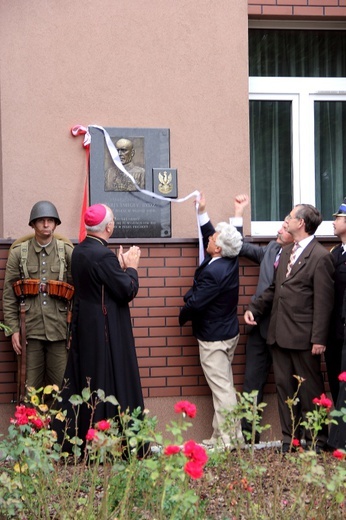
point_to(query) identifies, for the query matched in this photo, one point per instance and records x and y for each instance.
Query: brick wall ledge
(335, 18)
(9, 241)
(115, 241)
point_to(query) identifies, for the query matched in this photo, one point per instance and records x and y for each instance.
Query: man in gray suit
(258, 356)
(301, 301)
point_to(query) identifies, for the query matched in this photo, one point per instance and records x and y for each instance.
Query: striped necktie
(292, 259)
(277, 259)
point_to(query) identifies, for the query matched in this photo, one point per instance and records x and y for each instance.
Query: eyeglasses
(289, 217)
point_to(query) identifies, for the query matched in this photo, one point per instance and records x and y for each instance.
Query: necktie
(277, 259)
(292, 259)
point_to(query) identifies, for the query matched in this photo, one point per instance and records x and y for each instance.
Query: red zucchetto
(94, 215)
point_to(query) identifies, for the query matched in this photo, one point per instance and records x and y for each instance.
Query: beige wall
(180, 64)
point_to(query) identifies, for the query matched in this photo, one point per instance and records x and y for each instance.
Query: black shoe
(248, 437)
(286, 448)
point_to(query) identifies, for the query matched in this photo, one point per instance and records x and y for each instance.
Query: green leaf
(101, 394)
(86, 393)
(76, 400)
(111, 399)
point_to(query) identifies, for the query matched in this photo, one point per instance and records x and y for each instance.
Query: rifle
(68, 328)
(21, 371)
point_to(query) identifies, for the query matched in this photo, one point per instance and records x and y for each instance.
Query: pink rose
(91, 434)
(103, 425)
(342, 376)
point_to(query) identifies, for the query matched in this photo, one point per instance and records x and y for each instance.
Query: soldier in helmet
(36, 296)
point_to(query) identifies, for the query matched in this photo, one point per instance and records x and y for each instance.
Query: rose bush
(178, 480)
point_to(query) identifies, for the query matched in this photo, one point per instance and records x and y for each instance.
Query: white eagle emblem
(165, 182)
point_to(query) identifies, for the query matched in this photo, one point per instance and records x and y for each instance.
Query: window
(297, 124)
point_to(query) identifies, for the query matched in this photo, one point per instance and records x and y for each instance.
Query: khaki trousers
(45, 362)
(216, 360)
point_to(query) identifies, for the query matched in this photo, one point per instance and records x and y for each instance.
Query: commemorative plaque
(141, 150)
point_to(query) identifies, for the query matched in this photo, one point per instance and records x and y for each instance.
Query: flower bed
(102, 477)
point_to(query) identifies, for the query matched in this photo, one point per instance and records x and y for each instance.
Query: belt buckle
(43, 287)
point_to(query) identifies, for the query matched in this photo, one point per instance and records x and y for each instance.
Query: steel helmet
(44, 209)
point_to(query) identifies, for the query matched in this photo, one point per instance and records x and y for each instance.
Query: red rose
(20, 419)
(338, 454)
(171, 449)
(195, 452)
(323, 400)
(23, 415)
(193, 469)
(38, 423)
(186, 407)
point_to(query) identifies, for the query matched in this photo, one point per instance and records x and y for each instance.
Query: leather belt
(32, 287)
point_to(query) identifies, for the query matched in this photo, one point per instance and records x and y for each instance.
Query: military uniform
(45, 316)
(116, 180)
(333, 353)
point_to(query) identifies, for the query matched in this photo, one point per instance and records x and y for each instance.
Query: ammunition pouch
(33, 287)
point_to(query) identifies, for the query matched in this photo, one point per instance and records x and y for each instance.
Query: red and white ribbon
(82, 130)
(116, 159)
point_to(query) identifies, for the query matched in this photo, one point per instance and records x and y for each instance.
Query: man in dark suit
(337, 433)
(258, 355)
(301, 301)
(337, 327)
(211, 305)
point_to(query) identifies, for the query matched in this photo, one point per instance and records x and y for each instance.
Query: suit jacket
(301, 304)
(265, 256)
(337, 327)
(211, 304)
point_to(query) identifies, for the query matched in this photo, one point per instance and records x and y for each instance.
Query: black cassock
(102, 348)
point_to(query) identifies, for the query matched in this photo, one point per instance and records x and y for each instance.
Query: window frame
(302, 92)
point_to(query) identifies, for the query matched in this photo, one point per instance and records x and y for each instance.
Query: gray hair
(229, 239)
(99, 228)
(311, 216)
